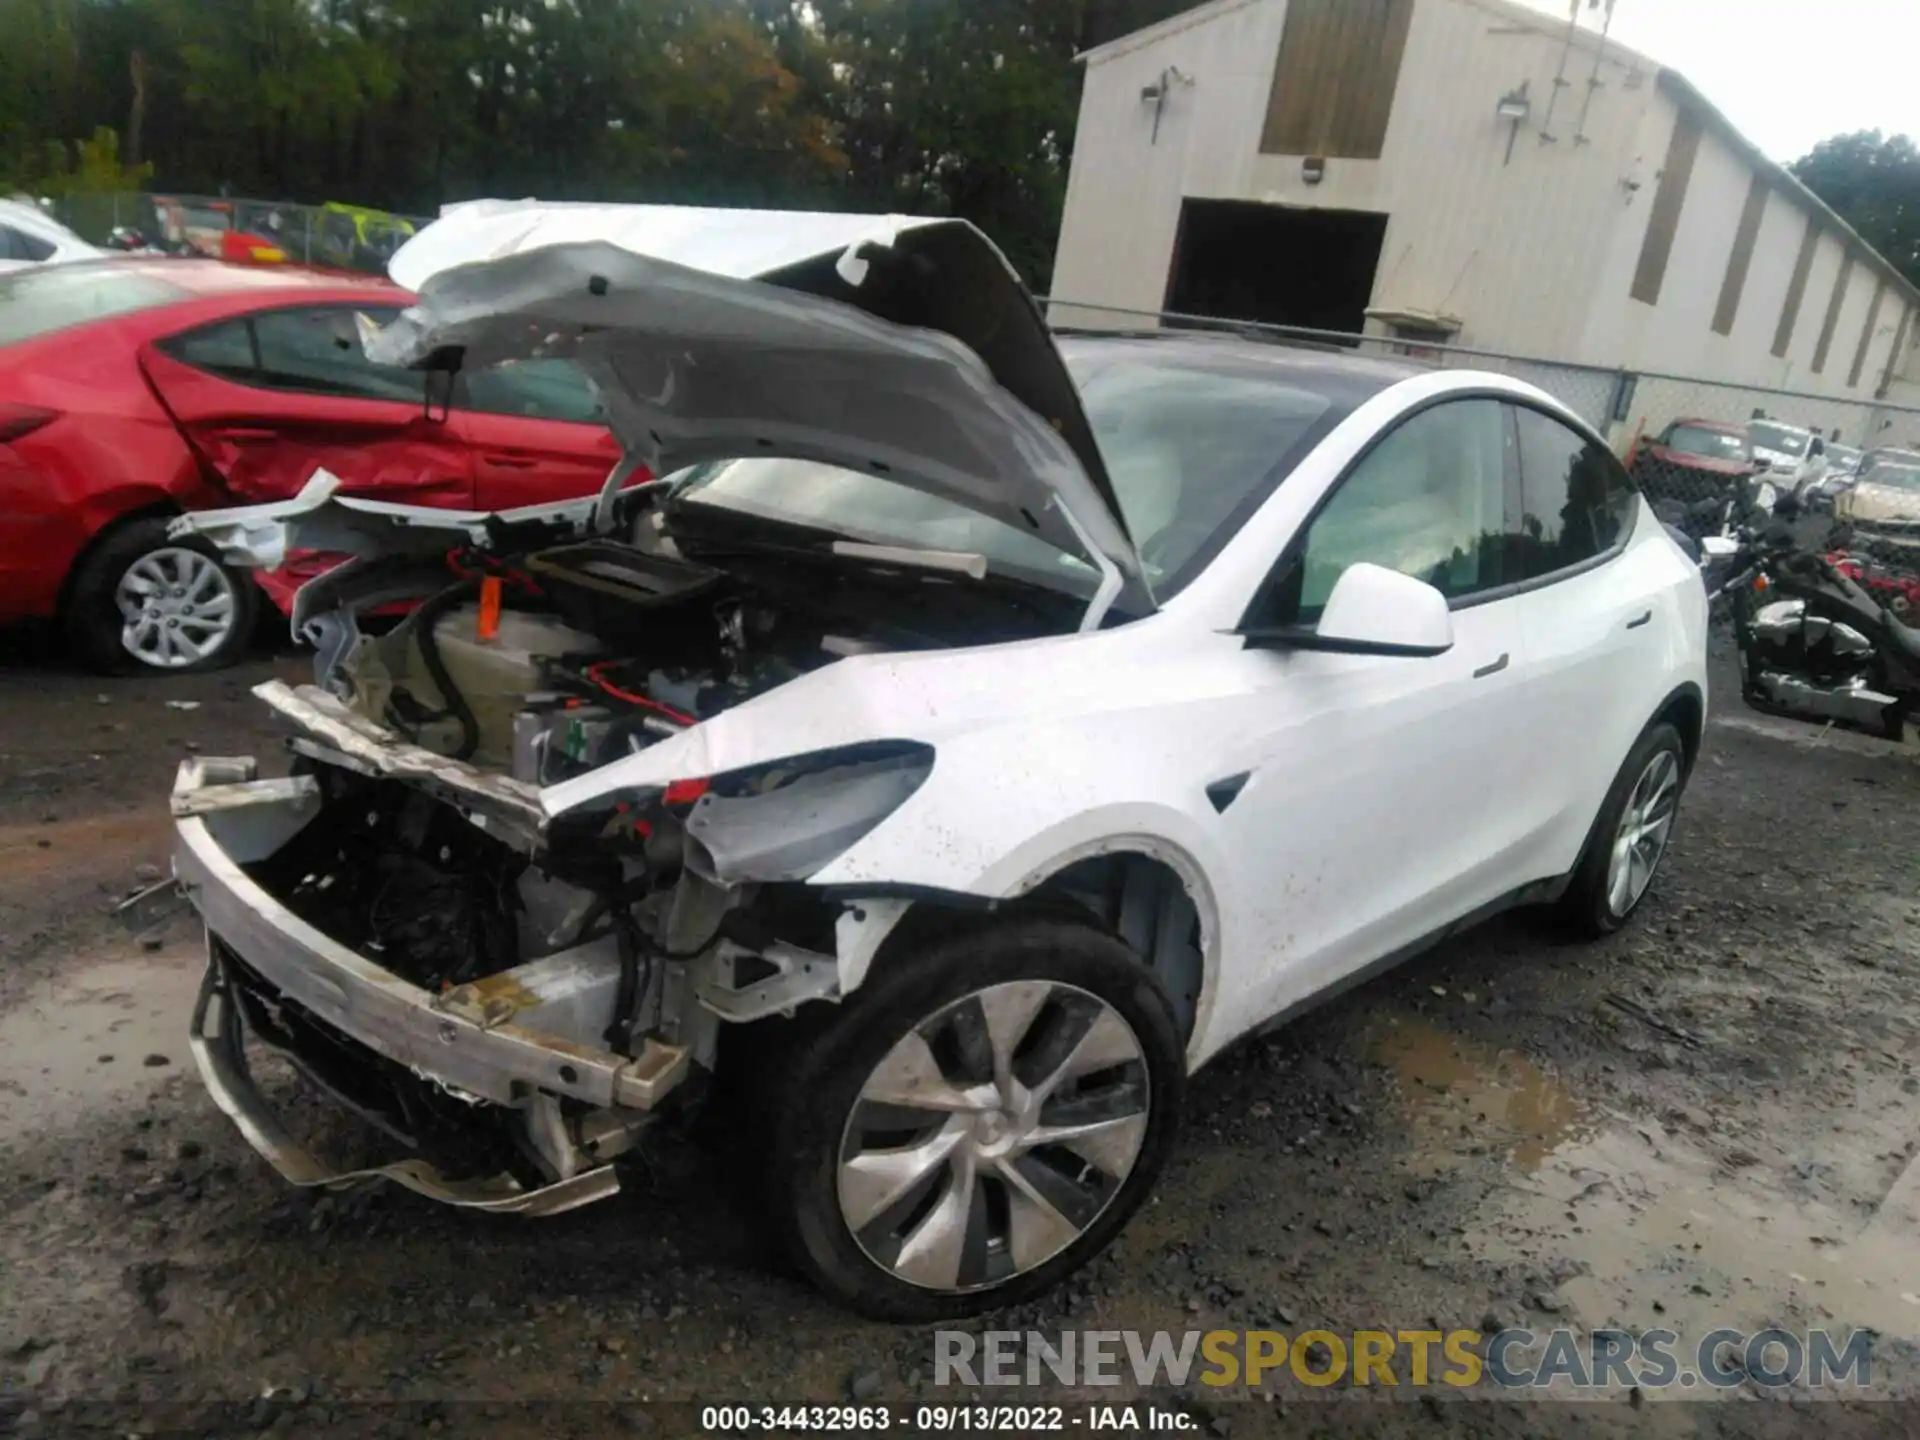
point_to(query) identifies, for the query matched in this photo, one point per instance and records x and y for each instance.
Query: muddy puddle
(82, 1041)
(1679, 1226)
(1464, 1100)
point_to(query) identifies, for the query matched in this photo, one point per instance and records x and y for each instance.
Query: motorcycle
(1814, 644)
(127, 240)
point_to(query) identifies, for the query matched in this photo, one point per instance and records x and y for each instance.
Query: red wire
(630, 697)
(456, 562)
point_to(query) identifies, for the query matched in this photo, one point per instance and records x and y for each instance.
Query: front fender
(945, 846)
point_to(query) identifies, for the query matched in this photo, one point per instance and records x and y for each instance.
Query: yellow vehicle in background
(354, 237)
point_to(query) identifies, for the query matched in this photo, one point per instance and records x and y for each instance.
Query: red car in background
(134, 389)
(213, 228)
(1691, 459)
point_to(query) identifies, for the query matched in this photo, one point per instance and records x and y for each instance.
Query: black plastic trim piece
(1222, 793)
(852, 894)
(1288, 637)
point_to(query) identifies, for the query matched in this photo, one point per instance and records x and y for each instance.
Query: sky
(1788, 73)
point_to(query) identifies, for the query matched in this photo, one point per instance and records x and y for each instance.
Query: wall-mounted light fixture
(1513, 107)
(1313, 169)
(1156, 94)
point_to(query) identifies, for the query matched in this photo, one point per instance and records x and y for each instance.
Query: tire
(141, 556)
(1592, 905)
(811, 1116)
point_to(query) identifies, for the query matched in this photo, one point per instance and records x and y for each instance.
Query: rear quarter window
(19, 245)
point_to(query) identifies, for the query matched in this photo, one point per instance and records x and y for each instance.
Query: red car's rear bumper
(38, 538)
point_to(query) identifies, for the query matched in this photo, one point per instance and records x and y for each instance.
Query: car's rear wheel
(144, 603)
(1631, 835)
(975, 1122)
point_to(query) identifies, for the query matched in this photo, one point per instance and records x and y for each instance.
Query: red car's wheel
(144, 603)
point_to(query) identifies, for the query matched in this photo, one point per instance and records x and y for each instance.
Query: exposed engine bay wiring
(597, 676)
(453, 702)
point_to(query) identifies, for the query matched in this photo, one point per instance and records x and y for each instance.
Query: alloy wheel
(990, 1136)
(177, 607)
(1645, 825)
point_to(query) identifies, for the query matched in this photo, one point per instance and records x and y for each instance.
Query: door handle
(241, 435)
(1639, 620)
(508, 462)
(1494, 669)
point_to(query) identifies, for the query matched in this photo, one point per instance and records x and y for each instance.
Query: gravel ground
(1707, 1120)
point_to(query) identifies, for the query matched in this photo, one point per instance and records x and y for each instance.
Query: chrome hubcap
(993, 1134)
(176, 608)
(1644, 827)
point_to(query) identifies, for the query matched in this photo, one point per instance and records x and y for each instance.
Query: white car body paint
(32, 221)
(738, 244)
(1390, 795)
(1386, 798)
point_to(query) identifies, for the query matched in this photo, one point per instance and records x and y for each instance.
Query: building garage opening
(1237, 260)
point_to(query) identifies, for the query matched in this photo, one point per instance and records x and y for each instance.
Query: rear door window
(1575, 498)
(317, 350)
(225, 350)
(321, 351)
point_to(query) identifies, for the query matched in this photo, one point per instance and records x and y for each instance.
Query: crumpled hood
(897, 346)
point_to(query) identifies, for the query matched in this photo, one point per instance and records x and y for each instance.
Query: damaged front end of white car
(549, 838)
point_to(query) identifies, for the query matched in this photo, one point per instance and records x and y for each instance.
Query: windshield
(40, 301)
(1779, 437)
(1895, 477)
(1842, 457)
(1719, 444)
(1189, 446)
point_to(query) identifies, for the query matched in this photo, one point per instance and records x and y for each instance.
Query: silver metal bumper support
(218, 1050)
(458, 1045)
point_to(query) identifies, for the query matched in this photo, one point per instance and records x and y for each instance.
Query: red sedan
(133, 389)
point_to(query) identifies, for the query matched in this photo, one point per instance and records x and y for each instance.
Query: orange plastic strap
(490, 608)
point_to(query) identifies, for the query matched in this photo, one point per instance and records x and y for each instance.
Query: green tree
(1872, 181)
(960, 107)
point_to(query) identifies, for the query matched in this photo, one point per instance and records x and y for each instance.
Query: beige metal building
(1474, 171)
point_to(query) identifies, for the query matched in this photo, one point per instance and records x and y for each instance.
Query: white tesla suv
(968, 737)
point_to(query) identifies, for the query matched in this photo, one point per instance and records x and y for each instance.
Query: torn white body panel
(740, 244)
(321, 518)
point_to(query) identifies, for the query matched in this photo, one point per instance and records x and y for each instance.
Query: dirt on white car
(970, 734)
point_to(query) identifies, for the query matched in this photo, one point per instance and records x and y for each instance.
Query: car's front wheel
(143, 602)
(976, 1121)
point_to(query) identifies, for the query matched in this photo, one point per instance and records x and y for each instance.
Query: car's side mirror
(1372, 611)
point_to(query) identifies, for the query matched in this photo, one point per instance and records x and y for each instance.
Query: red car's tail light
(18, 420)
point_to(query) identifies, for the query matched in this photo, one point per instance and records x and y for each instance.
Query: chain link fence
(1688, 442)
(333, 235)
(1589, 391)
